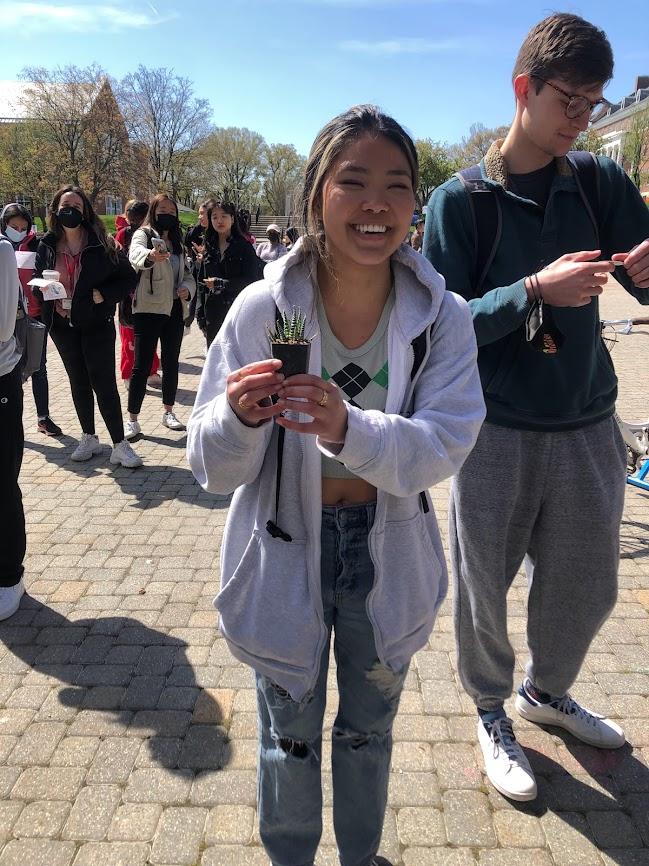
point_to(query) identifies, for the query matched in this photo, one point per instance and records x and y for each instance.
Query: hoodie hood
(419, 287)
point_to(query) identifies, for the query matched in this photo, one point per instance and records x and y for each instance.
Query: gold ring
(243, 405)
(323, 400)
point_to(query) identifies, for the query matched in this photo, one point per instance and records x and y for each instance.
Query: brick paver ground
(127, 731)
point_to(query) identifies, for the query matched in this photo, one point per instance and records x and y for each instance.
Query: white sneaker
(169, 420)
(123, 453)
(154, 381)
(10, 599)
(88, 446)
(566, 713)
(132, 430)
(505, 762)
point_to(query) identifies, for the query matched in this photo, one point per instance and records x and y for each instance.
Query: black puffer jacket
(239, 265)
(114, 279)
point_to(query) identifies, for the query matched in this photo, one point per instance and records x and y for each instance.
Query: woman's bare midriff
(347, 491)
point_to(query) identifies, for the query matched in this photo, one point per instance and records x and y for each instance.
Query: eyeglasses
(576, 105)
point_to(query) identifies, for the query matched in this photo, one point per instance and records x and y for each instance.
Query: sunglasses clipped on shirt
(576, 105)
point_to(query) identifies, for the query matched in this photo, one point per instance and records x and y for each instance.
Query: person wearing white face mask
(17, 225)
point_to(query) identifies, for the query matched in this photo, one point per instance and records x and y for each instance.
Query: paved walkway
(127, 731)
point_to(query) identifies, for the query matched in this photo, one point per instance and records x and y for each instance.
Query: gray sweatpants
(555, 501)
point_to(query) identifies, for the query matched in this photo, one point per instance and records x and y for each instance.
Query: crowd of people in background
(497, 376)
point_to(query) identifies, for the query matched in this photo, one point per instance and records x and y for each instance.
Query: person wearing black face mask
(166, 283)
(17, 225)
(95, 276)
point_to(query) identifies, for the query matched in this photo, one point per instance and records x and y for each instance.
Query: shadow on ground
(121, 677)
(602, 794)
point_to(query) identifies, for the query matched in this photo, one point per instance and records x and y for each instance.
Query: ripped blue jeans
(290, 733)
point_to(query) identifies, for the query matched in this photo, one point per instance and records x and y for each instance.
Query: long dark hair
(15, 210)
(174, 234)
(211, 235)
(90, 219)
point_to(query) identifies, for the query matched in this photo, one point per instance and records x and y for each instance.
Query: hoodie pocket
(413, 585)
(267, 607)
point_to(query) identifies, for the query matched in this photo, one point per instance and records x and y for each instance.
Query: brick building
(613, 123)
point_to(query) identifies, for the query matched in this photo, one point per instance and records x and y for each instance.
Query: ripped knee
(296, 748)
(386, 681)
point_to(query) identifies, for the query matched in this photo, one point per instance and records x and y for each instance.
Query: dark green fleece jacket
(525, 388)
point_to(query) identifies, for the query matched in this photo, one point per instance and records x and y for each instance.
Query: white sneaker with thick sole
(123, 454)
(88, 446)
(566, 713)
(505, 762)
(10, 599)
(169, 420)
(132, 429)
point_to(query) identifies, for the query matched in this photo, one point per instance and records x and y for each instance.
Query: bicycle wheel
(609, 336)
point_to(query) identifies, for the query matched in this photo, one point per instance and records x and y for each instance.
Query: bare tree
(74, 110)
(475, 145)
(636, 146)
(282, 171)
(164, 117)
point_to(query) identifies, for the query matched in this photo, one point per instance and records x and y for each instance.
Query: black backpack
(486, 209)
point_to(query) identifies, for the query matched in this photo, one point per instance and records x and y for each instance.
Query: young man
(545, 483)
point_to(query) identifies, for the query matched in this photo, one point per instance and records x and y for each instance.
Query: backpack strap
(487, 218)
(419, 346)
(587, 177)
(272, 527)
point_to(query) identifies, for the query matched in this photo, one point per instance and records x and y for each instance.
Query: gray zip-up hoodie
(270, 602)
(9, 294)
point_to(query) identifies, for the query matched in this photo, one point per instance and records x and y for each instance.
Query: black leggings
(148, 329)
(13, 542)
(89, 360)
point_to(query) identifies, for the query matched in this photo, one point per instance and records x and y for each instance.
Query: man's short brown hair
(566, 47)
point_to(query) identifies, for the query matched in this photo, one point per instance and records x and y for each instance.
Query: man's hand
(636, 264)
(183, 293)
(573, 279)
(97, 296)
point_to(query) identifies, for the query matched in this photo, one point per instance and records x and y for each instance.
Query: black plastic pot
(294, 357)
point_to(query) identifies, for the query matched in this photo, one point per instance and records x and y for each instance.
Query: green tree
(589, 140)
(636, 146)
(436, 165)
(231, 161)
(282, 174)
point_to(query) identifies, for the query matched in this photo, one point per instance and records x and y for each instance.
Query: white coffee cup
(53, 276)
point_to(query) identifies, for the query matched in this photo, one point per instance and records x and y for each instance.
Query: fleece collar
(419, 289)
(495, 167)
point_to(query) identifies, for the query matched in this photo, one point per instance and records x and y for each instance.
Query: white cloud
(78, 18)
(392, 47)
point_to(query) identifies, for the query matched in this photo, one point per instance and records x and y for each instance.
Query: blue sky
(283, 69)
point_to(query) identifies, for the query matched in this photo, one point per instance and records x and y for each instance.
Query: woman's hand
(158, 255)
(183, 293)
(199, 251)
(319, 399)
(97, 296)
(249, 391)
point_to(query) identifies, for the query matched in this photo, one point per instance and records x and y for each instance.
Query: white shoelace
(502, 737)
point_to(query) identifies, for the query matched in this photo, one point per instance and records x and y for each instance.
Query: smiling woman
(352, 539)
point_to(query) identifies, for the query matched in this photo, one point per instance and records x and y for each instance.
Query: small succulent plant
(289, 328)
